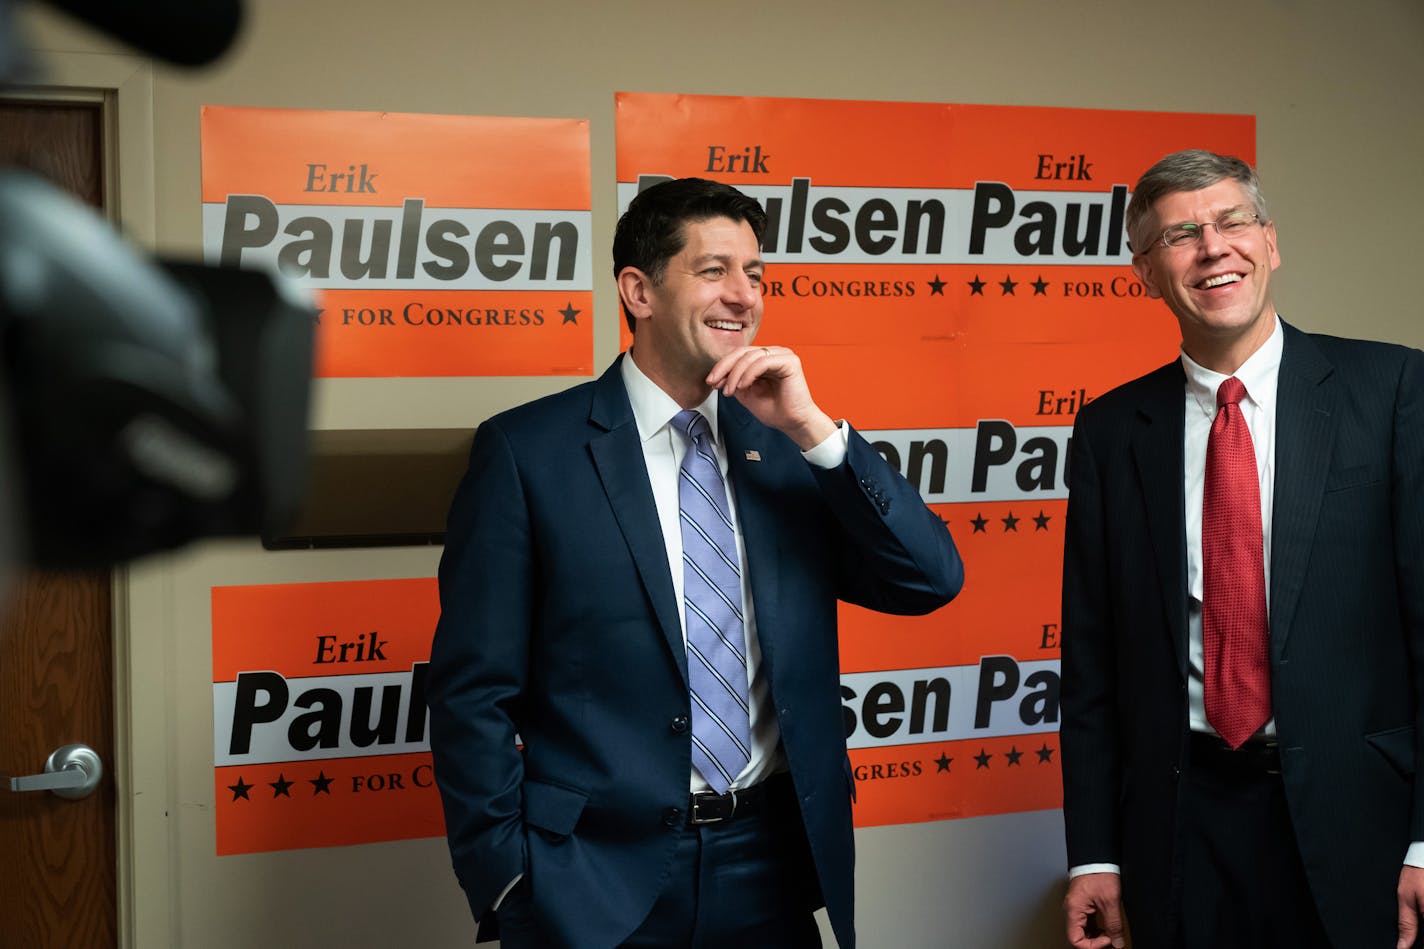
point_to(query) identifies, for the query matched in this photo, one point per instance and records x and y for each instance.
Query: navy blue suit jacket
(1346, 604)
(558, 622)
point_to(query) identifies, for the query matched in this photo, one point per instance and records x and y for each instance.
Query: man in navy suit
(1243, 614)
(569, 617)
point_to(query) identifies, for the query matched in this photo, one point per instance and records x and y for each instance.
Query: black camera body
(150, 403)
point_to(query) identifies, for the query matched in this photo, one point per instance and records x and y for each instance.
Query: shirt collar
(1259, 374)
(653, 408)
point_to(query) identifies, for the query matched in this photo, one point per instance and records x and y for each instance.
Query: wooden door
(58, 865)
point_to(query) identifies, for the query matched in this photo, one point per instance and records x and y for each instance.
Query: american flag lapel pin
(753, 455)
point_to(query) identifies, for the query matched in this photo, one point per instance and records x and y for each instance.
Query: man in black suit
(605, 585)
(1243, 610)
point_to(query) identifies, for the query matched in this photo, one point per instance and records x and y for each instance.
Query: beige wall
(1336, 91)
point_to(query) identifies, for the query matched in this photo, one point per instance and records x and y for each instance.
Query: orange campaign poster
(956, 281)
(437, 245)
(319, 721)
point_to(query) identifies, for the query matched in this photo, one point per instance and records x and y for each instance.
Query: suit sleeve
(478, 671)
(1089, 728)
(900, 557)
(1407, 493)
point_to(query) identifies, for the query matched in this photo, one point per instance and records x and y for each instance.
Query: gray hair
(1190, 170)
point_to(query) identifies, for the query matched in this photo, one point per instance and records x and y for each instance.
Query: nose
(1211, 243)
(741, 290)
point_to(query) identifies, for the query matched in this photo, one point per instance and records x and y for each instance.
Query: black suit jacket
(1346, 617)
(558, 621)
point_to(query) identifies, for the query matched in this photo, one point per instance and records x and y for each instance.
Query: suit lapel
(1305, 440)
(745, 440)
(618, 456)
(1157, 451)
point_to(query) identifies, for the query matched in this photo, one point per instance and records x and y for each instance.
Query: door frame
(142, 718)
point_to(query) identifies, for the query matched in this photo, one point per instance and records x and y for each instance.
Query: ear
(1271, 248)
(635, 289)
(1142, 266)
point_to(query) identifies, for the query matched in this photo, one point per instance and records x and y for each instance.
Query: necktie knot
(692, 424)
(1230, 392)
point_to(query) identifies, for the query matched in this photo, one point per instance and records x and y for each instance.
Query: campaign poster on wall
(320, 731)
(956, 281)
(436, 245)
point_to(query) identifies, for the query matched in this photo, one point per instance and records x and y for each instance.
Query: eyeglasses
(1229, 225)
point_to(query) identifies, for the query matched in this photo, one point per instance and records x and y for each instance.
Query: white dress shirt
(663, 448)
(1259, 375)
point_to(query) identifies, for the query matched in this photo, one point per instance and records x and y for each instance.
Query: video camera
(143, 403)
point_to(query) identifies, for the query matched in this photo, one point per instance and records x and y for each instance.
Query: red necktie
(1235, 636)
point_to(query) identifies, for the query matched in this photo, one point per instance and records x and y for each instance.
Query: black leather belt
(1258, 756)
(709, 807)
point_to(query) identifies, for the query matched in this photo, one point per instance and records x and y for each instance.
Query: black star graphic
(936, 287)
(239, 790)
(1007, 287)
(281, 787)
(1045, 754)
(983, 758)
(321, 783)
(943, 762)
(1011, 523)
(976, 286)
(570, 314)
(1041, 521)
(1014, 755)
(1040, 287)
(978, 523)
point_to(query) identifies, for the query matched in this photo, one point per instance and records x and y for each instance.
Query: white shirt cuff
(831, 452)
(1093, 868)
(1414, 856)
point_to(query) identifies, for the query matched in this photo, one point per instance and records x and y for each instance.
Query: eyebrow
(1219, 215)
(726, 261)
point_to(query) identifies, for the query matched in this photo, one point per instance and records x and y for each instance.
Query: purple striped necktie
(712, 598)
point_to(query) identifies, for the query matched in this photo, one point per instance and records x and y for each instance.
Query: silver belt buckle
(697, 798)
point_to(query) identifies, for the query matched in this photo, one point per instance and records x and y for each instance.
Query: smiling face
(707, 303)
(1218, 288)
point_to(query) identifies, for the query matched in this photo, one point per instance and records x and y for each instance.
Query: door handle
(71, 771)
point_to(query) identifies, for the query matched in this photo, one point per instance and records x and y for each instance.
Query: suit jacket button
(672, 817)
(678, 724)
